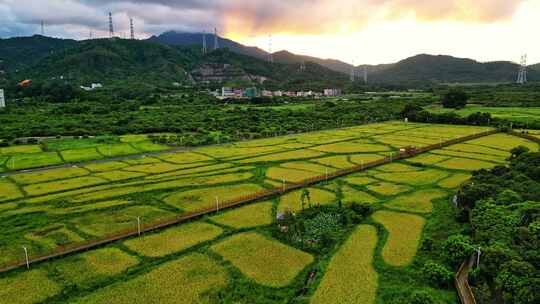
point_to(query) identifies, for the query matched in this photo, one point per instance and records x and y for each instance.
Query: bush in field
(437, 274)
(457, 248)
(519, 150)
(455, 99)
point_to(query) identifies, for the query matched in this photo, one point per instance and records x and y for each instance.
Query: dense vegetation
(502, 213)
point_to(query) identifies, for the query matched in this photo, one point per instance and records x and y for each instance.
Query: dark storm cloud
(243, 17)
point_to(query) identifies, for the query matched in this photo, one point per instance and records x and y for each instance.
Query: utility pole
(217, 204)
(204, 47)
(2, 99)
(26, 256)
(139, 225)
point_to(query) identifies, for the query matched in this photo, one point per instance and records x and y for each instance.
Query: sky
(354, 31)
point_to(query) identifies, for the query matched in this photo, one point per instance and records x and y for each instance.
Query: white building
(332, 92)
(2, 99)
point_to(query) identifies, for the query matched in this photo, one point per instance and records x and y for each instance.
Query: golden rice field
(206, 256)
(265, 261)
(350, 277)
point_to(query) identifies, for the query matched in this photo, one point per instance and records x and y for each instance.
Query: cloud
(241, 17)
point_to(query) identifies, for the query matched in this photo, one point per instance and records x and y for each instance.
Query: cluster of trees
(502, 207)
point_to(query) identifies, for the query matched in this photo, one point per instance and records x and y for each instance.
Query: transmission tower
(522, 75)
(42, 28)
(132, 29)
(353, 72)
(365, 75)
(302, 66)
(216, 42)
(111, 27)
(270, 54)
(204, 47)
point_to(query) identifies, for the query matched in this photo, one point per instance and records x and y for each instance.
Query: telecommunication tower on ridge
(111, 27)
(522, 75)
(270, 54)
(132, 29)
(42, 28)
(216, 42)
(204, 47)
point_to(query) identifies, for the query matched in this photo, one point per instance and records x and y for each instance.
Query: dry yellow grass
(182, 281)
(267, 262)
(454, 181)
(27, 287)
(203, 198)
(419, 201)
(259, 214)
(404, 233)
(291, 201)
(388, 188)
(350, 277)
(174, 239)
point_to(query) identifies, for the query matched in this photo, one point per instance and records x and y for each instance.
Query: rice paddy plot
(200, 199)
(102, 223)
(27, 287)
(351, 195)
(267, 262)
(359, 180)
(185, 158)
(78, 208)
(290, 175)
(292, 201)
(476, 149)
(258, 214)
(454, 181)
(117, 150)
(148, 146)
(352, 147)
(63, 185)
(465, 164)
(504, 142)
(143, 160)
(478, 156)
(350, 277)
(132, 138)
(33, 160)
(418, 201)
(9, 191)
(49, 175)
(397, 167)
(118, 175)
(284, 156)
(92, 267)
(20, 149)
(191, 169)
(360, 159)
(428, 159)
(307, 166)
(416, 178)
(174, 239)
(155, 168)
(106, 166)
(53, 236)
(183, 281)
(387, 189)
(404, 233)
(79, 155)
(340, 162)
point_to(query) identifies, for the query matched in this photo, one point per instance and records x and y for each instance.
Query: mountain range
(178, 57)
